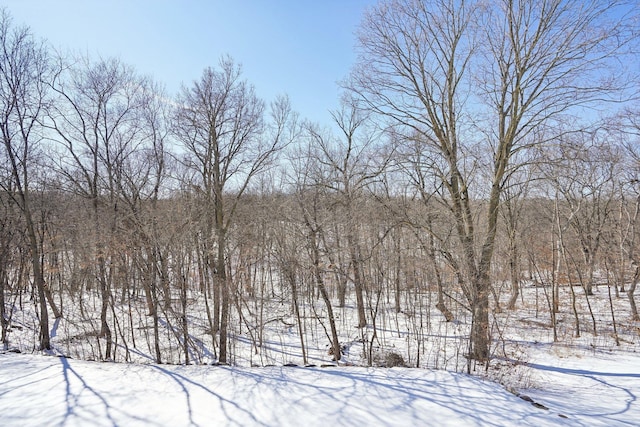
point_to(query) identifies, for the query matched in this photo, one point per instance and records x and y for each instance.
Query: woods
(484, 154)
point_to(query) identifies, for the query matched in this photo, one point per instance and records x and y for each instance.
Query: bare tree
(24, 69)
(97, 121)
(428, 66)
(351, 164)
(587, 183)
(308, 176)
(140, 177)
(220, 123)
(516, 195)
(630, 205)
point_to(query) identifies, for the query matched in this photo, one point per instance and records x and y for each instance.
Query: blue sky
(298, 47)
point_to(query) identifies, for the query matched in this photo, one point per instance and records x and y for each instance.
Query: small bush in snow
(392, 359)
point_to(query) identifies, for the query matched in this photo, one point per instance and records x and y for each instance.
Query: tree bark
(357, 280)
(223, 289)
(335, 344)
(514, 273)
(630, 294)
(480, 338)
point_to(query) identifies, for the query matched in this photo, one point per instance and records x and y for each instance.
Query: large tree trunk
(480, 338)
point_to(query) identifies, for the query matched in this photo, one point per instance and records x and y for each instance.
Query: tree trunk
(45, 338)
(154, 314)
(357, 280)
(218, 283)
(205, 285)
(315, 253)
(515, 275)
(25, 206)
(440, 305)
(630, 295)
(105, 330)
(480, 338)
(335, 345)
(342, 288)
(223, 289)
(147, 283)
(183, 314)
(290, 274)
(3, 319)
(49, 297)
(398, 269)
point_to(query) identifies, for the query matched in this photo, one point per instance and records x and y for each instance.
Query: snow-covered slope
(37, 391)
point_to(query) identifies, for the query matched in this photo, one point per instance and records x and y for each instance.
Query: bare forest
(481, 175)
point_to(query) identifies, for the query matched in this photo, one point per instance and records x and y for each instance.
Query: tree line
(478, 146)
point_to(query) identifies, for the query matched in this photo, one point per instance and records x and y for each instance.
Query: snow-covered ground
(55, 391)
(595, 390)
(586, 380)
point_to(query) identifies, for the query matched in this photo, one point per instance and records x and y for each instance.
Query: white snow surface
(38, 390)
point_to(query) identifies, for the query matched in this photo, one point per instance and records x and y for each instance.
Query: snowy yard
(597, 390)
(531, 380)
